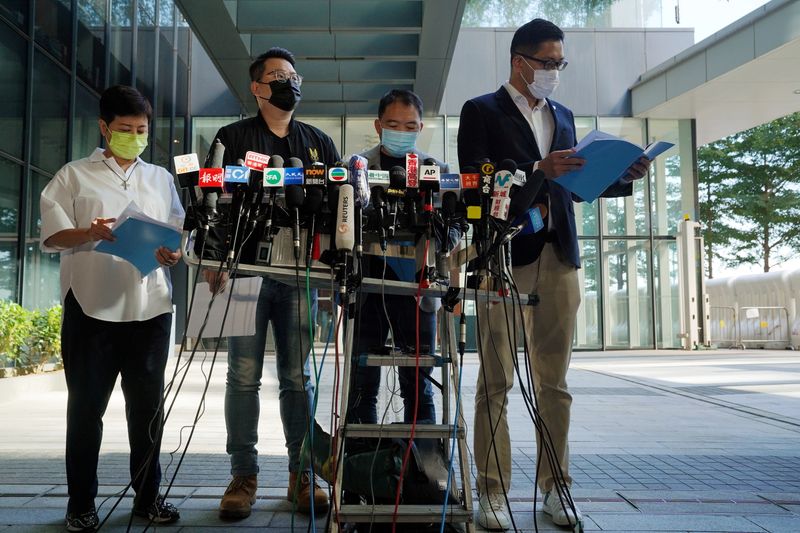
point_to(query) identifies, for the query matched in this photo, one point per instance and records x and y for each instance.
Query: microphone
(379, 206)
(295, 198)
(522, 198)
(358, 179)
(293, 172)
(345, 230)
(503, 180)
(187, 170)
(396, 190)
(210, 197)
(429, 182)
(273, 178)
(312, 206)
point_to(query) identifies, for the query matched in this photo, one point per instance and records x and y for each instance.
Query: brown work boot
(302, 483)
(239, 497)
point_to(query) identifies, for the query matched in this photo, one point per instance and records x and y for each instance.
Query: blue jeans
(372, 329)
(277, 303)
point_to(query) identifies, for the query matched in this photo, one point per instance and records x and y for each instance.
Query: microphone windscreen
(345, 227)
(397, 177)
(294, 162)
(295, 196)
(508, 164)
(313, 203)
(218, 154)
(358, 179)
(275, 161)
(376, 193)
(449, 201)
(524, 196)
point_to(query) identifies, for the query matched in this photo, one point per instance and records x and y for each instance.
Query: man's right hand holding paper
(559, 162)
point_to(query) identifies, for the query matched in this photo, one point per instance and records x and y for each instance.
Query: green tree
(750, 195)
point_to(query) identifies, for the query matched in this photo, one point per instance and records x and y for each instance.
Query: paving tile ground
(660, 440)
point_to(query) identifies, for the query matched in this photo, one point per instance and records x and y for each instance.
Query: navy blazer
(493, 128)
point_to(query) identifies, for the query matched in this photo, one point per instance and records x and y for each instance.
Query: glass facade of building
(56, 57)
(629, 277)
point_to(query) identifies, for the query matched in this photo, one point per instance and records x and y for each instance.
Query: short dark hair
(257, 66)
(530, 35)
(400, 95)
(123, 101)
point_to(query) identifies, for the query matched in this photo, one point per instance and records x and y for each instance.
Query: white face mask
(544, 82)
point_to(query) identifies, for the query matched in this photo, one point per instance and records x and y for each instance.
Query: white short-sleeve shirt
(107, 287)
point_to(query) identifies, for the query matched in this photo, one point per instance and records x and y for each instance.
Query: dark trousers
(372, 330)
(94, 353)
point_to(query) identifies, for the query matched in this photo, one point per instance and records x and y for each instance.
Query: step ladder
(448, 361)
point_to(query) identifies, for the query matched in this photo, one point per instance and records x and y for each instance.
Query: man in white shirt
(115, 321)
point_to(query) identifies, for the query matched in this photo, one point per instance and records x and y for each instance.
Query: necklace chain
(123, 180)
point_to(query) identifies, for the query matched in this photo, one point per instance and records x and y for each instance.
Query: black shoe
(87, 521)
(159, 512)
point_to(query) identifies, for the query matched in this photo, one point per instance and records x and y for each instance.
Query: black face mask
(285, 94)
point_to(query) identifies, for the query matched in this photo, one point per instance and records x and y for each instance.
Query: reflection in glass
(665, 278)
(585, 213)
(451, 143)
(16, 11)
(672, 175)
(86, 131)
(9, 227)
(53, 30)
(41, 269)
(203, 131)
(626, 215)
(12, 78)
(120, 43)
(587, 329)
(50, 108)
(145, 52)
(91, 42)
(627, 302)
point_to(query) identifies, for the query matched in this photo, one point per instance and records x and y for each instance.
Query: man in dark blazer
(521, 123)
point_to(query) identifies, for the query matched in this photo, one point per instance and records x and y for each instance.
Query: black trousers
(95, 352)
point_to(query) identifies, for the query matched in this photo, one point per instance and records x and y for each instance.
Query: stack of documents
(138, 236)
(607, 159)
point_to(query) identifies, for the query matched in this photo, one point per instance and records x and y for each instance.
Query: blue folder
(137, 242)
(607, 158)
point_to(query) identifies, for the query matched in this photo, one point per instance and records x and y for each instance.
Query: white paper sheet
(241, 319)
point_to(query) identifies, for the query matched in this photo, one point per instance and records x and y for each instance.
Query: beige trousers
(549, 327)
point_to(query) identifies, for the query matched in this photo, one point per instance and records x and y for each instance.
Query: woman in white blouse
(116, 321)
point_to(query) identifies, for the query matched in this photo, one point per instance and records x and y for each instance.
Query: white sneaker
(493, 513)
(560, 515)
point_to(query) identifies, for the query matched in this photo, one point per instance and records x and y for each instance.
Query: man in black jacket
(274, 131)
(519, 122)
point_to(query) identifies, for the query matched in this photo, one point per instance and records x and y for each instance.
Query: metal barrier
(724, 326)
(765, 326)
(761, 326)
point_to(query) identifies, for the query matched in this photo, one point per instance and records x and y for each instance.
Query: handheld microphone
(295, 198)
(293, 172)
(523, 197)
(379, 206)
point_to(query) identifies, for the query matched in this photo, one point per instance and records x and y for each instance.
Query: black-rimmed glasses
(549, 64)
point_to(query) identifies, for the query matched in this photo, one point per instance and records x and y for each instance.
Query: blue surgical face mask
(398, 143)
